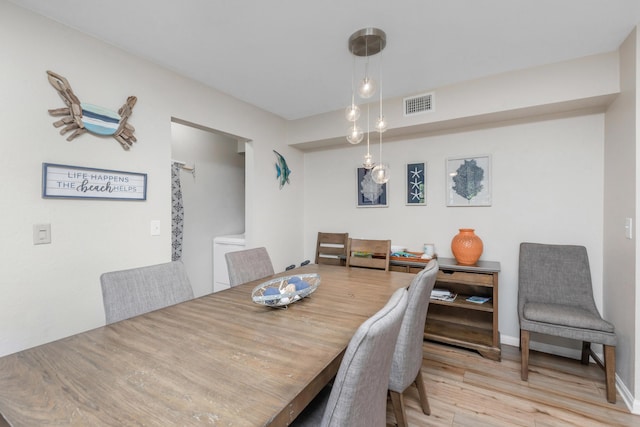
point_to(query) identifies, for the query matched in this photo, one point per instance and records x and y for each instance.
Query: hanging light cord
(353, 82)
(381, 116)
(368, 129)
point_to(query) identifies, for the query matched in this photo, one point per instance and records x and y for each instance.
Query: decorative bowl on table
(282, 291)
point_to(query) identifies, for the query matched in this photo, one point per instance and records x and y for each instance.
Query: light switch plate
(628, 228)
(155, 227)
(41, 234)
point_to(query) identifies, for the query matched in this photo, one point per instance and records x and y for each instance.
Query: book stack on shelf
(443, 295)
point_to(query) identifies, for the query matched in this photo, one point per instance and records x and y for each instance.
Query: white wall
(620, 254)
(51, 291)
(547, 188)
(213, 197)
(564, 86)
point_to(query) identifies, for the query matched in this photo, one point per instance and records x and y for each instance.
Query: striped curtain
(177, 213)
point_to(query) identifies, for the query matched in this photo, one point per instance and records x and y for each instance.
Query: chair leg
(397, 403)
(610, 372)
(422, 392)
(586, 351)
(524, 355)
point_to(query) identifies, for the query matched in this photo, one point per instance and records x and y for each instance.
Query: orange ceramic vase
(466, 247)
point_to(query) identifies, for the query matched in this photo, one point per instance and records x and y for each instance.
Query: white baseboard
(544, 348)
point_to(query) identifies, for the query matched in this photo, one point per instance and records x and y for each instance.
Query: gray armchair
(555, 297)
(359, 393)
(248, 265)
(407, 358)
(128, 293)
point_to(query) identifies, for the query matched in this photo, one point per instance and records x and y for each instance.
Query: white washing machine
(221, 246)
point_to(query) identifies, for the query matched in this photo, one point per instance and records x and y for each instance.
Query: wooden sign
(61, 181)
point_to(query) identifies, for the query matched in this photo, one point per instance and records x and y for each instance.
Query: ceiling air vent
(418, 104)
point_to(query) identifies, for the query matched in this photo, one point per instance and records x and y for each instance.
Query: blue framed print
(416, 189)
(469, 181)
(370, 193)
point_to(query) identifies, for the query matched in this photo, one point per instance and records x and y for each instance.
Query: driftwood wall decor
(80, 117)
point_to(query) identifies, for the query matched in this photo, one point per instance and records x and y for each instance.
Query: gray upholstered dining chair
(247, 265)
(128, 293)
(406, 367)
(359, 393)
(555, 297)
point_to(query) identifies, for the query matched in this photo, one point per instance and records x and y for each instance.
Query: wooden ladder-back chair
(331, 248)
(368, 253)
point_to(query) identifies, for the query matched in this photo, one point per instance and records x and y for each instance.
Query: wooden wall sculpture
(80, 117)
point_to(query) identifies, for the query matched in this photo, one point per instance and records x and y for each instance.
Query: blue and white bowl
(285, 290)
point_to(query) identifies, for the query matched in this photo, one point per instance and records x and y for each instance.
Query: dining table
(220, 359)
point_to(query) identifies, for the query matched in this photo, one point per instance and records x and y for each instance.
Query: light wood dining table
(220, 359)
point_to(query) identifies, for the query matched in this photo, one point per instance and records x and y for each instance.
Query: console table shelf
(460, 322)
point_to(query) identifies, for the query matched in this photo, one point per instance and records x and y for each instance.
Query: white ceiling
(290, 57)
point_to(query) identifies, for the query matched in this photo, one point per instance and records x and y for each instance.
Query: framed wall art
(75, 182)
(369, 193)
(416, 188)
(468, 181)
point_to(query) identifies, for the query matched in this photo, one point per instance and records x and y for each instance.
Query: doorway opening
(212, 184)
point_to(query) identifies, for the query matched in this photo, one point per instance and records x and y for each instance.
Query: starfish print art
(415, 173)
(416, 195)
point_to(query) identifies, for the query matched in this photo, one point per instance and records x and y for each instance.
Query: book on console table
(443, 295)
(478, 300)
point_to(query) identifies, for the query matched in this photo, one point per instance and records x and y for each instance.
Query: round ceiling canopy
(367, 41)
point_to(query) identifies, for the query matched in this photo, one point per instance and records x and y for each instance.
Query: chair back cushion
(408, 354)
(248, 265)
(359, 393)
(128, 293)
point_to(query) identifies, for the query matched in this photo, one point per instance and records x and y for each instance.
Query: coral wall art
(469, 181)
(370, 194)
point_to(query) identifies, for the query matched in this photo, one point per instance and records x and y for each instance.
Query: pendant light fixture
(352, 113)
(365, 43)
(380, 173)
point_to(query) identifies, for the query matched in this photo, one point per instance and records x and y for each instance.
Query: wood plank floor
(466, 389)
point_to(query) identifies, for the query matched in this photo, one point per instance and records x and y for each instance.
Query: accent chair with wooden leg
(555, 297)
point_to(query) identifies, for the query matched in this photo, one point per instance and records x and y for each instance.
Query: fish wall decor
(282, 170)
(80, 117)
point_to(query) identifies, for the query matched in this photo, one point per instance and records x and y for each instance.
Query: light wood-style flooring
(466, 389)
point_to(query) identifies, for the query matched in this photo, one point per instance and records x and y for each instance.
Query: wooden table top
(219, 359)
